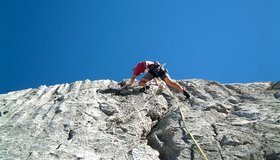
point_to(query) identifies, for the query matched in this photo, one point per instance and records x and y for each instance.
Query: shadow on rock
(120, 91)
(275, 85)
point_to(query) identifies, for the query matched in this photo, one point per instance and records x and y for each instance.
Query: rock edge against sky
(98, 120)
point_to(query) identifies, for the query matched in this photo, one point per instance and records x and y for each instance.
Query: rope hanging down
(186, 128)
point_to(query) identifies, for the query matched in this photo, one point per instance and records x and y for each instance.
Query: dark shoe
(186, 94)
(144, 89)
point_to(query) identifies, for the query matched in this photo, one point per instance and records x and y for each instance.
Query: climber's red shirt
(141, 67)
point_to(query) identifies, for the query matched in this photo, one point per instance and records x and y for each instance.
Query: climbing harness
(157, 69)
(186, 128)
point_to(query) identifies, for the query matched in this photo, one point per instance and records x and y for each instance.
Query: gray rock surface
(98, 120)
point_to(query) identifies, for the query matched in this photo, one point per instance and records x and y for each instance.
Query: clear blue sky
(47, 42)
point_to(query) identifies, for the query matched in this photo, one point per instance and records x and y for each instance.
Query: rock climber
(155, 70)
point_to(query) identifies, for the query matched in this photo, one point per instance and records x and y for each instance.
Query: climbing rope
(185, 124)
(186, 128)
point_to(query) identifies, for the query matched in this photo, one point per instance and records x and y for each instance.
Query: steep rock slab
(77, 121)
(99, 120)
(232, 121)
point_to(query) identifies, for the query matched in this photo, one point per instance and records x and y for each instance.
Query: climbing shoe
(186, 94)
(144, 89)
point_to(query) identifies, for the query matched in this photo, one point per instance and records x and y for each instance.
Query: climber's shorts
(149, 76)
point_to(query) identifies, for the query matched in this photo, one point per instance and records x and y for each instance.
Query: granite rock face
(99, 120)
